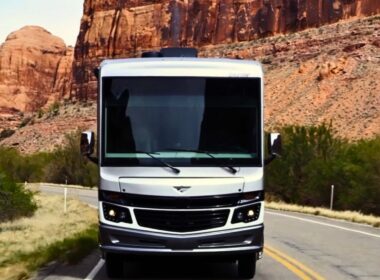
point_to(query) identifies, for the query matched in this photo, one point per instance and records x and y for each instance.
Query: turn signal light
(251, 197)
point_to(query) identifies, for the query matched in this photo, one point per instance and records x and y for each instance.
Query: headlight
(250, 197)
(113, 197)
(116, 214)
(246, 214)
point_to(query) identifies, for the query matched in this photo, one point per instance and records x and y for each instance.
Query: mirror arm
(269, 159)
(93, 159)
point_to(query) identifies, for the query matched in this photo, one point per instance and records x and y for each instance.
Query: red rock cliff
(35, 68)
(121, 28)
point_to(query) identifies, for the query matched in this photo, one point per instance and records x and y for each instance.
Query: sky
(60, 17)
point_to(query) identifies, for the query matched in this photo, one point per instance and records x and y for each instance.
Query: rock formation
(323, 74)
(121, 28)
(35, 69)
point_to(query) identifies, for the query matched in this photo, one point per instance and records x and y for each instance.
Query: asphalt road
(297, 247)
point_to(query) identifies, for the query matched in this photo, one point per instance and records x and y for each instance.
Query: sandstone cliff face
(317, 75)
(120, 28)
(35, 69)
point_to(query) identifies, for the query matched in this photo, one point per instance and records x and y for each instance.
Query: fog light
(112, 213)
(250, 213)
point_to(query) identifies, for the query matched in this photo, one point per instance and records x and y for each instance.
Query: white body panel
(160, 181)
(180, 67)
(247, 179)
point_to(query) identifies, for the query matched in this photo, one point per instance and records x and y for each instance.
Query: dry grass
(48, 226)
(36, 186)
(351, 216)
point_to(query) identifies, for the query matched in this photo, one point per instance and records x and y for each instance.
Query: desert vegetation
(33, 228)
(15, 200)
(64, 164)
(29, 242)
(313, 160)
(351, 216)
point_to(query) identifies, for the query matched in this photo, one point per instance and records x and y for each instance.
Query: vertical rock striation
(35, 69)
(121, 28)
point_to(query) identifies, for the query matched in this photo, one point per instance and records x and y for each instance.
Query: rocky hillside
(322, 74)
(46, 130)
(35, 70)
(116, 28)
(319, 75)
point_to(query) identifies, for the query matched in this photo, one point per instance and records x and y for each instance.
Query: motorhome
(180, 149)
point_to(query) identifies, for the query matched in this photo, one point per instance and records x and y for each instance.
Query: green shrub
(25, 122)
(358, 171)
(67, 163)
(15, 201)
(6, 133)
(313, 160)
(40, 113)
(53, 109)
(21, 168)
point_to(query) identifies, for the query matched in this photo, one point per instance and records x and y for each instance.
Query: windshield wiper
(175, 170)
(230, 168)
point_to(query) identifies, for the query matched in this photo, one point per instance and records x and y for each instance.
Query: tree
(301, 174)
(67, 163)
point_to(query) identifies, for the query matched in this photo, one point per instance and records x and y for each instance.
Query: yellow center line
(288, 265)
(299, 269)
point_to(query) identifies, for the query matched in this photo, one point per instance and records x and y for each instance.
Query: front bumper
(136, 242)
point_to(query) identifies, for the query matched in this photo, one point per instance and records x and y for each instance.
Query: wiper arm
(175, 170)
(230, 168)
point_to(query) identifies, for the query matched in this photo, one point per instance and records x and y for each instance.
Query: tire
(114, 266)
(247, 267)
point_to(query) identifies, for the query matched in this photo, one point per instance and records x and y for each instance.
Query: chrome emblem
(181, 189)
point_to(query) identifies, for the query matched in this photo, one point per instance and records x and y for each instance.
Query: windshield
(179, 119)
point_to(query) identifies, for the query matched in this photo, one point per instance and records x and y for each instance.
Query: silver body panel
(245, 240)
(181, 186)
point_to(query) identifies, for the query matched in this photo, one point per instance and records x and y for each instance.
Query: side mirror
(87, 143)
(274, 147)
(274, 144)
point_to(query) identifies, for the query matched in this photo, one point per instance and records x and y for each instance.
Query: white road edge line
(95, 270)
(323, 224)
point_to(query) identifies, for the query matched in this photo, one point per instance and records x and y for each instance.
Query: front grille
(164, 202)
(181, 221)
